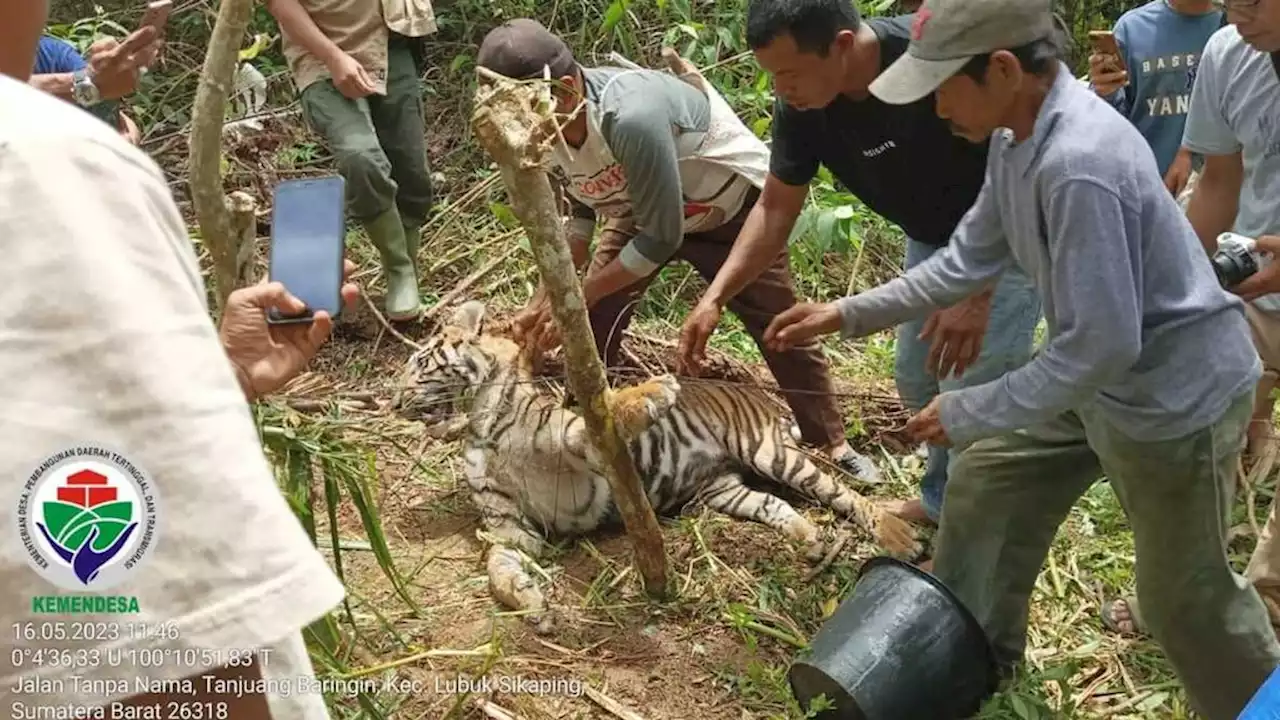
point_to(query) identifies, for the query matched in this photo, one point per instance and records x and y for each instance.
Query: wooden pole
(211, 204)
(514, 122)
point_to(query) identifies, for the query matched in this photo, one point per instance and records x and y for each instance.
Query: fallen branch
(493, 711)
(382, 320)
(467, 282)
(513, 121)
(613, 707)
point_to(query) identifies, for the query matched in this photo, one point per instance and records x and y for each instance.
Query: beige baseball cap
(946, 34)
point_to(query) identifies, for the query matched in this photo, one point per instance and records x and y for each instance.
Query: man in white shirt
(1234, 121)
(106, 341)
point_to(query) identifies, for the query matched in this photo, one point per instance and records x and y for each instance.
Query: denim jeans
(1008, 344)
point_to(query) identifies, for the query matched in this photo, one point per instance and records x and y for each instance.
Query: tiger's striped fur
(533, 474)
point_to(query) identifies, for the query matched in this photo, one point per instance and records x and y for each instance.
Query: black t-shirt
(902, 161)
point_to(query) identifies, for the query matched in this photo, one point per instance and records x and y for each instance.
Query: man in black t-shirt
(901, 161)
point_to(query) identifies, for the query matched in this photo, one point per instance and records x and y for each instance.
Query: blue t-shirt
(56, 56)
(1161, 48)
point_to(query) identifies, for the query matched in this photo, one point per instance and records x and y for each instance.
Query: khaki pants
(1264, 565)
(802, 373)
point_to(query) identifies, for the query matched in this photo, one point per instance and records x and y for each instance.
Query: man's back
(1236, 100)
(649, 129)
(105, 339)
(1089, 219)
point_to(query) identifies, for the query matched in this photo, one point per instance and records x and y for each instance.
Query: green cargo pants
(1008, 495)
(378, 142)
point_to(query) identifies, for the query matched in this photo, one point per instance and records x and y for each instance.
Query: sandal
(861, 467)
(1130, 626)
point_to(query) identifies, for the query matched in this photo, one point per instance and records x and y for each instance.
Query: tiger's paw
(664, 392)
(543, 622)
(815, 551)
(636, 408)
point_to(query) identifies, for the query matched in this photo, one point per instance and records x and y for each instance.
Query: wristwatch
(83, 89)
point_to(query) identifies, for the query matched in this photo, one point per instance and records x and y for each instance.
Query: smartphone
(308, 244)
(1104, 43)
(157, 15)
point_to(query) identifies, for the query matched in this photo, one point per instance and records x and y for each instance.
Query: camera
(1235, 260)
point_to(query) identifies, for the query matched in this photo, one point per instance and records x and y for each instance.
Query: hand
(799, 323)
(114, 65)
(350, 77)
(544, 336)
(1266, 280)
(268, 356)
(957, 335)
(531, 316)
(1104, 76)
(694, 335)
(1179, 172)
(926, 426)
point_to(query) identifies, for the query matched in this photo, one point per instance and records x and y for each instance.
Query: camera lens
(1232, 266)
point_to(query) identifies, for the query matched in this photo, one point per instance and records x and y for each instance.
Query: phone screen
(308, 233)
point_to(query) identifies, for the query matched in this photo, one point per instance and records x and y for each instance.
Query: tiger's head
(451, 363)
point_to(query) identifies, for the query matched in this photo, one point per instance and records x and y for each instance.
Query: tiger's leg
(788, 465)
(730, 496)
(635, 408)
(509, 531)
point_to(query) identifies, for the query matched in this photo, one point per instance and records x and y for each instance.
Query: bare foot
(1121, 616)
(909, 510)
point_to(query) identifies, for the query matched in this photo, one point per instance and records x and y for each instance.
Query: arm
(1120, 98)
(1098, 317)
(640, 138)
(579, 228)
(1213, 206)
(298, 25)
(58, 84)
(762, 238)
(792, 165)
(977, 253)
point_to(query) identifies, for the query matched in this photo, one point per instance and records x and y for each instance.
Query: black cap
(520, 48)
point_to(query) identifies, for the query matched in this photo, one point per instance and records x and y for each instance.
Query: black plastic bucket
(901, 647)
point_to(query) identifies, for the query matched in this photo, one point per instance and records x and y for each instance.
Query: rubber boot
(412, 238)
(388, 235)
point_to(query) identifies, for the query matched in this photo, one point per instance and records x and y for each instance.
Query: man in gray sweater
(1074, 198)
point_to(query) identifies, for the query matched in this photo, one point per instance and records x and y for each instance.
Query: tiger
(535, 476)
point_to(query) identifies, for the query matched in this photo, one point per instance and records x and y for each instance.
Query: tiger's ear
(469, 317)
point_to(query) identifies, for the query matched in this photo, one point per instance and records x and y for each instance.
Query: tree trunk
(513, 122)
(216, 80)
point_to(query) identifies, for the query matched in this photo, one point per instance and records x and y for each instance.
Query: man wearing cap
(901, 162)
(357, 65)
(674, 173)
(1073, 196)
